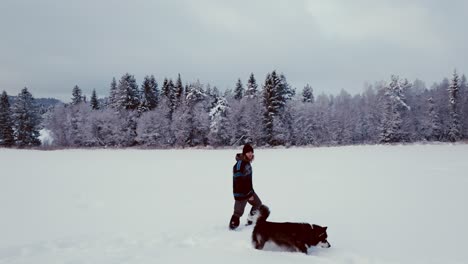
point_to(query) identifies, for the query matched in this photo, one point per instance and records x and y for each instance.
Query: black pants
(239, 206)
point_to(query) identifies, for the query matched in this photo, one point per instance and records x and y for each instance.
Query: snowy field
(382, 204)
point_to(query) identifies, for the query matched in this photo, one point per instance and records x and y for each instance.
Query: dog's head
(318, 237)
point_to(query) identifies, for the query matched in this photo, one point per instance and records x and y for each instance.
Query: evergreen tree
(191, 122)
(322, 119)
(6, 124)
(166, 90)
(276, 92)
(113, 94)
(169, 95)
(285, 91)
(433, 130)
(196, 94)
(454, 130)
(173, 99)
(307, 94)
(393, 105)
(178, 92)
(154, 128)
(127, 96)
(269, 97)
(239, 90)
(414, 119)
(238, 119)
(94, 101)
(78, 117)
(57, 124)
(404, 89)
(251, 87)
(26, 120)
(219, 125)
(439, 92)
(149, 94)
(344, 118)
(77, 96)
(464, 105)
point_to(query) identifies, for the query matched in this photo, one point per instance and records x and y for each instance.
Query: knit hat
(247, 148)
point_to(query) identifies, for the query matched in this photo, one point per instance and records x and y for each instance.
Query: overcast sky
(49, 46)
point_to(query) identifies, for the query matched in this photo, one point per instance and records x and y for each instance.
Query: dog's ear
(325, 228)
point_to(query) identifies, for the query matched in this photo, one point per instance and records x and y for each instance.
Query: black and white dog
(293, 236)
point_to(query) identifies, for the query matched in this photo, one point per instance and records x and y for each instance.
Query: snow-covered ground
(382, 204)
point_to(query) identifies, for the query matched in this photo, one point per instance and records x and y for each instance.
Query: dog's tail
(263, 213)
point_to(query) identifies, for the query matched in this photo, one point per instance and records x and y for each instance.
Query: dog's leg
(258, 241)
(260, 245)
(302, 247)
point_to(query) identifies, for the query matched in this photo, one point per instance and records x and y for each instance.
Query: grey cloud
(50, 46)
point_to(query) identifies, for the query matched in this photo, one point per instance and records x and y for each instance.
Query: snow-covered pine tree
(26, 120)
(345, 118)
(404, 89)
(154, 128)
(178, 92)
(79, 117)
(149, 94)
(307, 94)
(94, 101)
(238, 116)
(251, 90)
(333, 123)
(195, 94)
(191, 121)
(126, 131)
(212, 97)
(276, 92)
(439, 92)
(301, 123)
(239, 90)
(413, 120)
(57, 123)
(359, 119)
(128, 97)
(391, 120)
(105, 128)
(433, 127)
(285, 91)
(219, 124)
(269, 97)
(165, 89)
(253, 110)
(112, 102)
(169, 94)
(370, 116)
(464, 106)
(322, 119)
(393, 106)
(216, 94)
(283, 127)
(455, 130)
(77, 96)
(7, 138)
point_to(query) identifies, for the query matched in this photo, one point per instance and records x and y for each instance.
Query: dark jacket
(242, 178)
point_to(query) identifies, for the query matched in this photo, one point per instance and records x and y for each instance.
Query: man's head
(248, 152)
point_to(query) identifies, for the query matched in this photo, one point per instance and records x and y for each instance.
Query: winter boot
(234, 223)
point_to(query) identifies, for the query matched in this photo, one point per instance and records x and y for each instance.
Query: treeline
(175, 114)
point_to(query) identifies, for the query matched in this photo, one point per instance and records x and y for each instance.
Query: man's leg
(256, 203)
(239, 207)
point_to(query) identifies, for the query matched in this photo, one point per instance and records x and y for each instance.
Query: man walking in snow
(243, 188)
